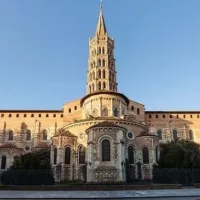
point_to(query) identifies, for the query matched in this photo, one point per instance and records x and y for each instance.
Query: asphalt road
(158, 198)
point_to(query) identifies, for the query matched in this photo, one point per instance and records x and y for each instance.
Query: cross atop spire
(101, 26)
(101, 4)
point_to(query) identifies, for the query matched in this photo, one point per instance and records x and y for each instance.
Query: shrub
(27, 177)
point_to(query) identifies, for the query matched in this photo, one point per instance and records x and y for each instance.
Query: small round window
(27, 148)
(130, 135)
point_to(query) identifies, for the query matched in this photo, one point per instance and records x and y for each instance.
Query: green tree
(35, 160)
(179, 154)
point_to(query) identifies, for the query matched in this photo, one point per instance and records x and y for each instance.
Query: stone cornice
(117, 122)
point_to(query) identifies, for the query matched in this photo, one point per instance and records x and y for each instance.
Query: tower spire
(101, 74)
(101, 26)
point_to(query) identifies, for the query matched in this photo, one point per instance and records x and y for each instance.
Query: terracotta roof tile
(42, 145)
(64, 132)
(9, 145)
(106, 124)
(68, 134)
(144, 133)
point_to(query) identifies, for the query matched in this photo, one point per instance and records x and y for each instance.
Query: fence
(27, 177)
(186, 177)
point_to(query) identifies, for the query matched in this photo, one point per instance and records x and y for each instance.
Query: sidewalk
(186, 192)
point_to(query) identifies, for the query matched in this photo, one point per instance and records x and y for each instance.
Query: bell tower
(101, 74)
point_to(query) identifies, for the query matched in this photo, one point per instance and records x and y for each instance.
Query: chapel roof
(42, 145)
(144, 133)
(9, 145)
(106, 124)
(63, 132)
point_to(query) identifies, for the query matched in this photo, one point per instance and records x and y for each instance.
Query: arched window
(109, 75)
(70, 110)
(99, 85)
(99, 63)
(132, 108)
(106, 150)
(131, 154)
(175, 135)
(92, 87)
(99, 50)
(104, 85)
(157, 158)
(138, 111)
(103, 50)
(67, 155)
(93, 75)
(81, 155)
(159, 134)
(115, 112)
(191, 136)
(55, 156)
(110, 86)
(145, 154)
(95, 112)
(99, 74)
(105, 112)
(10, 135)
(104, 74)
(90, 77)
(28, 135)
(89, 88)
(3, 162)
(44, 135)
(104, 63)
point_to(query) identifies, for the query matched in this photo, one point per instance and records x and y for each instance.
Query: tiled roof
(64, 132)
(68, 134)
(144, 133)
(31, 111)
(106, 124)
(9, 145)
(42, 145)
(173, 112)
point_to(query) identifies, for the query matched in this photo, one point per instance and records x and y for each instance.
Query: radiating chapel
(102, 137)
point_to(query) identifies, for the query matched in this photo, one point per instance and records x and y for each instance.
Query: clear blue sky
(44, 51)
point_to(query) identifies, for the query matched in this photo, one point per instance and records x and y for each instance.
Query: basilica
(102, 137)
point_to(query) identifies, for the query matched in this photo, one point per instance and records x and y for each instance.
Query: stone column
(90, 158)
(91, 108)
(100, 106)
(120, 150)
(75, 161)
(120, 108)
(152, 151)
(111, 107)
